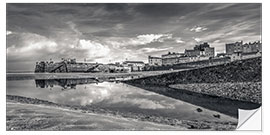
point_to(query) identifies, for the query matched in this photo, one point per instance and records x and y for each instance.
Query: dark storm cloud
(105, 32)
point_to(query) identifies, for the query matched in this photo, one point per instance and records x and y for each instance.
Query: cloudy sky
(116, 32)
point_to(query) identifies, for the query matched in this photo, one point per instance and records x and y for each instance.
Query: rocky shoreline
(188, 124)
(242, 91)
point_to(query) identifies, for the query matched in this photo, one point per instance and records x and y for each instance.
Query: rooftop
(155, 57)
(141, 62)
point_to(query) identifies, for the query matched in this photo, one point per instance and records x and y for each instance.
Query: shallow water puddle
(111, 95)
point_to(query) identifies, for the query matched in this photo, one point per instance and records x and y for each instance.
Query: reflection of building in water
(64, 83)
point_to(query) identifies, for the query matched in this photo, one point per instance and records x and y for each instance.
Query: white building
(134, 65)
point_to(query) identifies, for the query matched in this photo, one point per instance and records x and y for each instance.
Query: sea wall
(238, 80)
(63, 67)
(248, 70)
